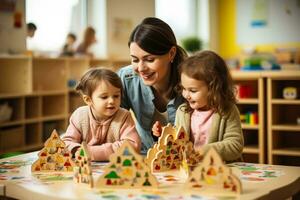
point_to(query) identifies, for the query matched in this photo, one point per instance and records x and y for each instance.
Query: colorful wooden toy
(126, 169)
(213, 175)
(167, 154)
(83, 169)
(54, 156)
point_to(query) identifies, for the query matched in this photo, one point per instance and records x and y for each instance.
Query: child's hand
(157, 129)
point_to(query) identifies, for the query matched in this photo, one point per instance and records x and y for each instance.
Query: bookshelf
(283, 129)
(253, 102)
(40, 92)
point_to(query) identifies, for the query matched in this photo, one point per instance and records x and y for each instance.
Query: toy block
(126, 169)
(54, 157)
(213, 175)
(167, 154)
(83, 169)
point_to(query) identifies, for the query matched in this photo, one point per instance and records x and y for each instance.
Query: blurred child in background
(69, 48)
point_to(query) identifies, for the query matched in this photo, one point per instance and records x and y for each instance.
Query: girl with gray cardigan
(209, 113)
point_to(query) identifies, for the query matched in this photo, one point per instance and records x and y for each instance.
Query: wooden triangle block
(83, 169)
(126, 169)
(213, 175)
(167, 154)
(54, 157)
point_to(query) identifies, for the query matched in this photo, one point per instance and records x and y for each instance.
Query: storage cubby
(75, 101)
(53, 105)
(77, 67)
(283, 115)
(49, 126)
(251, 138)
(247, 89)
(16, 74)
(17, 106)
(250, 98)
(37, 90)
(251, 157)
(287, 160)
(33, 134)
(32, 107)
(279, 85)
(11, 137)
(49, 74)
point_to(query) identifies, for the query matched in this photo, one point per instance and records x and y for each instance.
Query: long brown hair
(90, 80)
(88, 40)
(156, 37)
(212, 69)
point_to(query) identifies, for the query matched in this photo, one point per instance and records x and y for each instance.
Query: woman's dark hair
(90, 80)
(156, 37)
(209, 67)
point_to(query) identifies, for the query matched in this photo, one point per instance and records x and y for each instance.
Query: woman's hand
(157, 129)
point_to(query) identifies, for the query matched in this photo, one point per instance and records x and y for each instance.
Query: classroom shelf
(251, 149)
(254, 137)
(41, 93)
(283, 129)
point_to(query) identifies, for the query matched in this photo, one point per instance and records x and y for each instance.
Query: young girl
(68, 48)
(102, 123)
(209, 114)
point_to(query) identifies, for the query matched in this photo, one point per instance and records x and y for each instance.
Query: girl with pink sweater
(102, 123)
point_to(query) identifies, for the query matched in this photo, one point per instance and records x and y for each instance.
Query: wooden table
(258, 181)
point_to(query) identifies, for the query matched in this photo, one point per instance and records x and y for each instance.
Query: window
(186, 17)
(54, 20)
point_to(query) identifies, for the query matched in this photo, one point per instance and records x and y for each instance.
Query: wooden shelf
(251, 149)
(250, 126)
(254, 149)
(38, 91)
(287, 151)
(11, 123)
(248, 101)
(285, 101)
(285, 127)
(55, 117)
(283, 132)
(25, 148)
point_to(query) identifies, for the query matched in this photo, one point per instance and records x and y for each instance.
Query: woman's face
(153, 69)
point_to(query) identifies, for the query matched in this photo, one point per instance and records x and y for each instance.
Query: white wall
(12, 40)
(122, 17)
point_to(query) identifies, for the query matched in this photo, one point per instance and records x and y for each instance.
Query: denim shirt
(139, 98)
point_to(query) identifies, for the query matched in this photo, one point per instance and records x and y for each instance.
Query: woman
(89, 39)
(150, 82)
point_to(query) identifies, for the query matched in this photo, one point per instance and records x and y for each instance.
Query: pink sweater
(200, 127)
(100, 141)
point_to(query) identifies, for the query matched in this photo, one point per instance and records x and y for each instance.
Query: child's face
(153, 69)
(70, 40)
(194, 91)
(105, 100)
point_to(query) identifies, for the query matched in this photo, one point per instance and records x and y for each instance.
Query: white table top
(281, 182)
